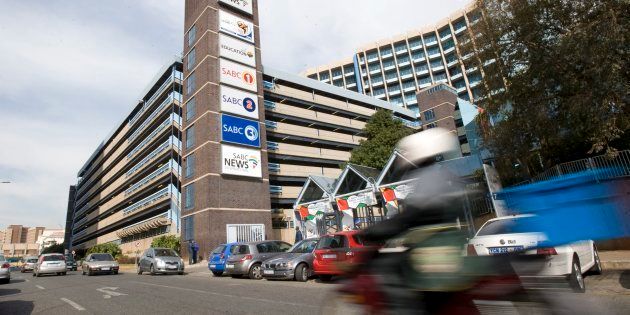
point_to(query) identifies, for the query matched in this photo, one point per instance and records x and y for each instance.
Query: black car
(71, 264)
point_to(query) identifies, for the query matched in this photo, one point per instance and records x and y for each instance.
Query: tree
(382, 133)
(167, 241)
(54, 248)
(555, 79)
(110, 248)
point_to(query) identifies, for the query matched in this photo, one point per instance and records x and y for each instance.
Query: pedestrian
(190, 252)
(195, 251)
(298, 234)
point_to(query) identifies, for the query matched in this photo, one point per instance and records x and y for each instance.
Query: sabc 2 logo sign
(239, 102)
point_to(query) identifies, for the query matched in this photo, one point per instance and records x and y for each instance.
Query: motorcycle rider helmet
(429, 146)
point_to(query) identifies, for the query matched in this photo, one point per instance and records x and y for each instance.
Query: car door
(585, 253)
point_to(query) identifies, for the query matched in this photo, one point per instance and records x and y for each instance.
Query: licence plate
(505, 249)
(172, 267)
(213, 266)
(229, 266)
(105, 268)
(268, 272)
(333, 256)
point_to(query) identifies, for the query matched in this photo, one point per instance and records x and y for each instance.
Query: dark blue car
(218, 257)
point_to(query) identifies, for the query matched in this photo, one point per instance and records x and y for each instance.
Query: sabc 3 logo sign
(240, 131)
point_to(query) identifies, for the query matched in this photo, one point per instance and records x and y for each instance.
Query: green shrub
(110, 248)
(167, 241)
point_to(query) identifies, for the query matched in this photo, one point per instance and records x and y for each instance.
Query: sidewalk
(615, 260)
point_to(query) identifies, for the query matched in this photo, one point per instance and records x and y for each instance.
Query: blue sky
(70, 71)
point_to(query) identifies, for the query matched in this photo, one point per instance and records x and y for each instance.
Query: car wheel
(576, 280)
(301, 273)
(63, 273)
(152, 270)
(255, 272)
(325, 278)
(83, 272)
(115, 272)
(181, 273)
(217, 273)
(597, 267)
(89, 272)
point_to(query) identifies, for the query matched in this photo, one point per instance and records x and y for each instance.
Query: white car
(5, 270)
(497, 236)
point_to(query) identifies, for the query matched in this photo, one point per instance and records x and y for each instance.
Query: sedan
(247, 258)
(5, 270)
(296, 264)
(50, 263)
(99, 263)
(29, 264)
(503, 235)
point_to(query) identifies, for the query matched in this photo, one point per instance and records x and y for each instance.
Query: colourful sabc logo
(252, 159)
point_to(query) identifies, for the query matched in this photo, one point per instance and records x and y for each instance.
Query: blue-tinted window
(189, 196)
(190, 137)
(192, 56)
(190, 83)
(189, 169)
(192, 35)
(429, 115)
(191, 109)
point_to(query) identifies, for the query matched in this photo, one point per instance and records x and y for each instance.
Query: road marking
(109, 292)
(225, 295)
(74, 304)
(40, 287)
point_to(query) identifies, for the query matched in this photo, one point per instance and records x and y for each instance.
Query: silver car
(296, 264)
(99, 263)
(29, 264)
(5, 270)
(50, 263)
(247, 258)
(160, 260)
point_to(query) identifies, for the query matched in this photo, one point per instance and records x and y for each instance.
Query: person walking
(298, 234)
(190, 252)
(195, 250)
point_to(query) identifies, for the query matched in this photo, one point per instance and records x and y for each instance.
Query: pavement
(200, 292)
(615, 260)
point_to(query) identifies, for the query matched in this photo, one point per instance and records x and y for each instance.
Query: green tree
(554, 78)
(167, 241)
(382, 133)
(54, 248)
(110, 248)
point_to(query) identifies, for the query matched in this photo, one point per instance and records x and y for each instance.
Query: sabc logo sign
(240, 161)
(240, 131)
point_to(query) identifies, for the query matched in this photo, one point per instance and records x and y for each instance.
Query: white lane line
(73, 304)
(39, 287)
(226, 295)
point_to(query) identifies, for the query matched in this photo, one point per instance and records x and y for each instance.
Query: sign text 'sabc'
(240, 130)
(237, 75)
(240, 161)
(239, 102)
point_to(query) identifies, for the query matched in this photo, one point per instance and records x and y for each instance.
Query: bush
(167, 241)
(54, 248)
(110, 248)
(122, 259)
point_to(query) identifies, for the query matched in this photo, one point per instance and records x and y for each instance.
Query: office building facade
(128, 190)
(394, 69)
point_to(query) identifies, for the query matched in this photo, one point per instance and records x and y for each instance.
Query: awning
(143, 227)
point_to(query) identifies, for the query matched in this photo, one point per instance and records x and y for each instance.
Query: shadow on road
(17, 307)
(4, 292)
(624, 279)
(13, 280)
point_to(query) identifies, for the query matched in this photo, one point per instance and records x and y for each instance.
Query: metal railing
(603, 168)
(148, 200)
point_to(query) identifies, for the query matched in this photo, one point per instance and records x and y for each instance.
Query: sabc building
(219, 147)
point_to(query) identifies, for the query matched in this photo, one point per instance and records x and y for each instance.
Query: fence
(245, 232)
(607, 168)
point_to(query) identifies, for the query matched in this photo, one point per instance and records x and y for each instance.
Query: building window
(190, 84)
(429, 115)
(188, 228)
(431, 125)
(190, 109)
(189, 195)
(192, 35)
(192, 56)
(189, 169)
(190, 137)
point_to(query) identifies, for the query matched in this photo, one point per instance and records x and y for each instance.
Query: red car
(336, 252)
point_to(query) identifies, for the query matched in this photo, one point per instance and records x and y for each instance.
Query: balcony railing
(272, 146)
(148, 200)
(270, 105)
(150, 156)
(273, 167)
(148, 103)
(271, 124)
(275, 189)
(267, 85)
(151, 136)
(147, 121)
(163, 169)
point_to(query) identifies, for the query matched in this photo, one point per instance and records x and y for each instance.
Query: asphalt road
(198, 292)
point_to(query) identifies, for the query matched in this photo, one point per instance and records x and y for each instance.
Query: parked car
(99, 263)
(160, 260)
(50, 263)
(15, 262)
(500, 236)
(218, 257)
(296, 264)
(29, 264)
(71, 264)
(5, 270)
(336, 250)
(247, 258)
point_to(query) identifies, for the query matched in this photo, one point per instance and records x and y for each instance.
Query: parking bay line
(40, 287)
(73, 304)
(225, 295)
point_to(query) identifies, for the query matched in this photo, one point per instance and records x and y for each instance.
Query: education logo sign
(237, 75)
(236, 26)
(240, 131)
(239, 102)
(237, 50)
(240, 161)
(242, 5)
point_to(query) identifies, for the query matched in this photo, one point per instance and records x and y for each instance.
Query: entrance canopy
(315, 196)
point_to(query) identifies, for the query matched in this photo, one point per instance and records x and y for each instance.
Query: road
(199, 292)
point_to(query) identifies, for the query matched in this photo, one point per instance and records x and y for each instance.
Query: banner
(236, 26)
(237, 75)
(237, 50)
(241, 5)
(240, 161)
(352, 202)
(239, 102)
(240, 131)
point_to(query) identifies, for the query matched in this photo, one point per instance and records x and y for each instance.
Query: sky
(72, 70)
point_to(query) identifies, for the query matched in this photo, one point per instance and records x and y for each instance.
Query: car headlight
(159, 262)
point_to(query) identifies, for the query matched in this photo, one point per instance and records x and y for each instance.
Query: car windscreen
(218, 250)
(69, 258)
(165, 252)
(332, 241)
(102, 257)
(239, 250)
(31, 260)
(505, 226)
(305, 246)
(53, 258)
(359, 239)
